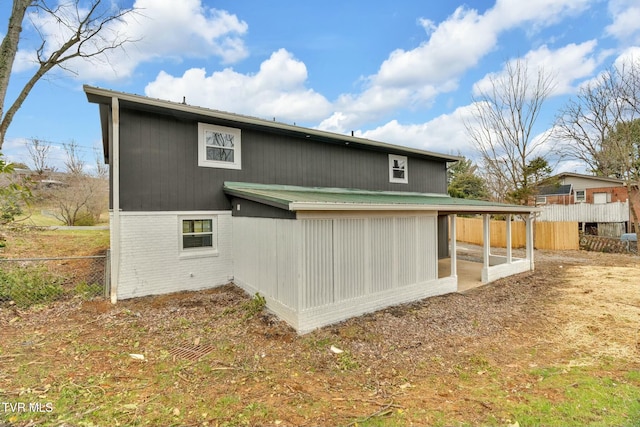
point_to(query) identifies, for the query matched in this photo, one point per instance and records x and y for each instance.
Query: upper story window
(580, 196)
(218, 146)
(398, 171)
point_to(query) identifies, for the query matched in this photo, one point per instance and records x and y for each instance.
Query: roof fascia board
(311, 206)
(270, 201)
(591, 177)
(95, 94)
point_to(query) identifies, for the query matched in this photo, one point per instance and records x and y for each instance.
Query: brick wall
(151, 261)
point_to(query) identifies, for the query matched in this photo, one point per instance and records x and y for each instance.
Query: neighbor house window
(198, 235)
(580, 196)
(398, 171)
(218, 146)
(541, 200)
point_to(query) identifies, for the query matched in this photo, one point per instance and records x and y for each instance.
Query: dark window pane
(197, 241)
(398, 173)
(220, 154)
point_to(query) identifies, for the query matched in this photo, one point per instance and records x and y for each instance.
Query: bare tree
(39, 154)
(73, 162)
(102, 170)
(87, 36)
(503, 129)
(586, 120)
(79, 198)
(601, 127)
(79, 201)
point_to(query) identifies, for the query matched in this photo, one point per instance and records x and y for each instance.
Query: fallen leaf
(136, 356)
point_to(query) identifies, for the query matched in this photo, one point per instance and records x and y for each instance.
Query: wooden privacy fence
(547, 235)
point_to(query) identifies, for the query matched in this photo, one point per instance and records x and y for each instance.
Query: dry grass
(558, 346)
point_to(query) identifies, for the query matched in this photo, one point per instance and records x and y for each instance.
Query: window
(398, 171)
(580, 196)
(541, 200)
(601, 198)
(198, 236)
(218, 146)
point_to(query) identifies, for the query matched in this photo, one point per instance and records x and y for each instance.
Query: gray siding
(159, 165)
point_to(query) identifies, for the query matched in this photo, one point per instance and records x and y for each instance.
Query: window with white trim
(219, 146)
(398, 170)
(580, 196)
(198, 235)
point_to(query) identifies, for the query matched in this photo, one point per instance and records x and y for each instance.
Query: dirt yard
(558, 346)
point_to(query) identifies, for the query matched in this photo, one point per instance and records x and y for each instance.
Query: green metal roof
(295, 198)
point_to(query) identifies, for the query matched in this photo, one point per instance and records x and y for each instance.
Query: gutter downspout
(115, 189)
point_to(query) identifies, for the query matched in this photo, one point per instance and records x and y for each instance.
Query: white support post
(486, 239)
(454, 246)
(114, 156)
(486, 247)
(509, 252)
(529, 222)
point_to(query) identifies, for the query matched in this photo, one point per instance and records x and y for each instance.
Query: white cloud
(161, 30)
(565, 65)
(277, 90)
(626, 15)
(537, 13)
(629, 55)
(444, 134)
(411, 78)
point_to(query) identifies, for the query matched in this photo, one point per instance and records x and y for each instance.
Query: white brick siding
(150, 256)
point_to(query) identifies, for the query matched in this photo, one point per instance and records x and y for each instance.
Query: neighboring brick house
(324, 226)
(598, 204)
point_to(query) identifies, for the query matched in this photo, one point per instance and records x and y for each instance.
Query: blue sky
(402, 72)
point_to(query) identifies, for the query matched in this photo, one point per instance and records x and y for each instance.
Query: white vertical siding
(427, 249)
(349, 258)
(382, 250)
(288, 262)
(318, 262)
(266, 252)
(405, 242)
(585, 212)
(317, 271)
(255, 253)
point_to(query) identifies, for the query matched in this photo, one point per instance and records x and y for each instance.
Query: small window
(218, 146)
(398, 171)
(197, 236)
(541, 200)
(580, 196)
(601, 198)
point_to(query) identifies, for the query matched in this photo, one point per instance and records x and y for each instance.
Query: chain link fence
(30, 281)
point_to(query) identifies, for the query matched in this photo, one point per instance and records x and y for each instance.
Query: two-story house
(324, 226)
(600, 205)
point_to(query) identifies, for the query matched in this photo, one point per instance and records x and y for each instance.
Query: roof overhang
(301, 199)
(104, 98)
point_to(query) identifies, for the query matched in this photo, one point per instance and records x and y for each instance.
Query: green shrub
(88, 290)
(27, 286)
(254, 306)
(85, 220)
